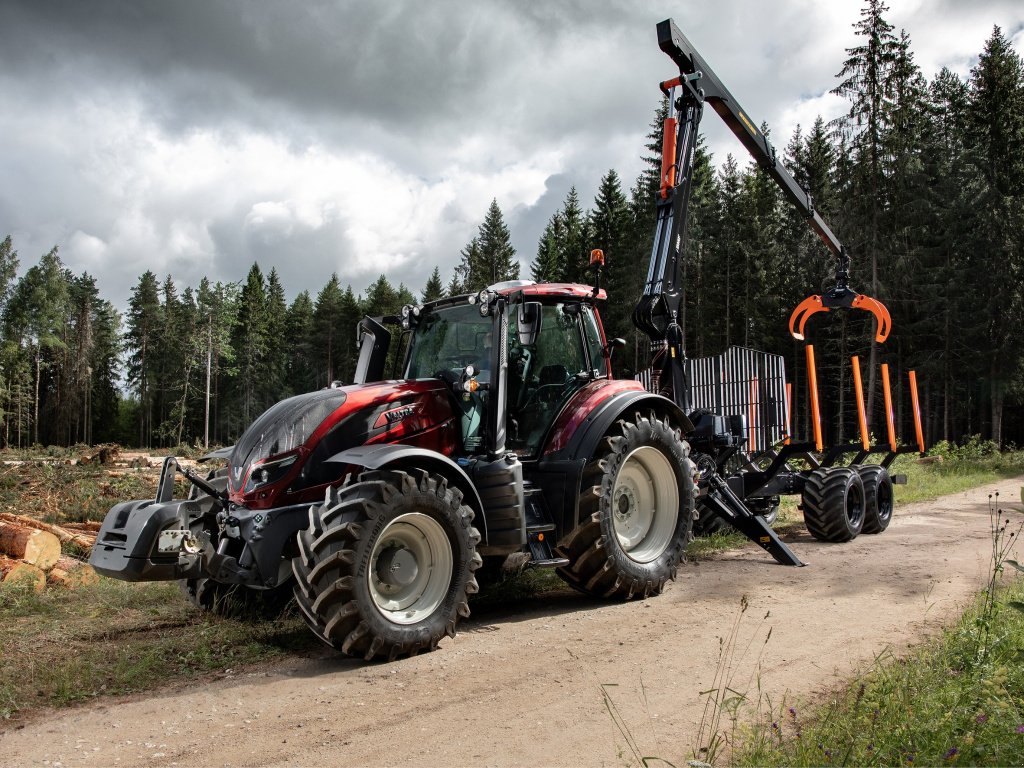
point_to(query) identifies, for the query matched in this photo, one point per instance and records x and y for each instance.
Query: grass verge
(957, 700)
(59, 648)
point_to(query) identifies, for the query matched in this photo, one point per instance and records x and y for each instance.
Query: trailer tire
(878, 497)
(833, 504)
(387, 564)
(619, 549)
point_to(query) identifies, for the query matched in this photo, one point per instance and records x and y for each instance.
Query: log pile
(30, 552)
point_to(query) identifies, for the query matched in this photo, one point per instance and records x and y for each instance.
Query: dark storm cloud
(195, 137)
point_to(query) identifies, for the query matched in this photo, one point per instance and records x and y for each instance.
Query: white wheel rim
(411, 568)
(645, 504)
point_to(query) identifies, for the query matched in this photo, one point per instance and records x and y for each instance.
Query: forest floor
(556, 678)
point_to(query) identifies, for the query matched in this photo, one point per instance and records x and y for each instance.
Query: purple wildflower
(953, 752)
(981, 719)
(1020, 729)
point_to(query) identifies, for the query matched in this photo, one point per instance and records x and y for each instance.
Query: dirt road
(525, 685)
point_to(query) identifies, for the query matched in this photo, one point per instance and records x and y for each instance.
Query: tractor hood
(282, 457)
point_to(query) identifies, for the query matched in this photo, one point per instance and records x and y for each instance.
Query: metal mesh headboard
(740, 382)
(745, 382)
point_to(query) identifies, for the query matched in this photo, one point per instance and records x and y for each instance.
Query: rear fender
(584, 443)
(408, 456)
(569, 462)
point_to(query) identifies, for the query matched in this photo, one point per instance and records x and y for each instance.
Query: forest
(921, 179)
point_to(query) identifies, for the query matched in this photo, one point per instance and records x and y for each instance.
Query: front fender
(399, 456)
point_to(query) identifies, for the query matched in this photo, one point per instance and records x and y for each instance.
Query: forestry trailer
(376, 504)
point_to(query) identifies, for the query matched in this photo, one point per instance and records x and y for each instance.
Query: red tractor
(506, 433)
(502, 432)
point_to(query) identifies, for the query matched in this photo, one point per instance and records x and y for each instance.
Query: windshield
(283, 428)
(449, 339)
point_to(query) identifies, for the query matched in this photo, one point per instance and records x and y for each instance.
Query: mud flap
(721, 499)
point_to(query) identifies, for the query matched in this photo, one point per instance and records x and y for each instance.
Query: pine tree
(329, 334)
(144, 320)
(300, 339)
(573, 256)
(489, 257)
(867, 83)
(276, 364)
(434, 289)
(546, 268)
(250, 343)
(996, 210)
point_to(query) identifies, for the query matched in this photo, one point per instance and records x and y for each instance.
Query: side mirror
(528, 323)
(614, 344)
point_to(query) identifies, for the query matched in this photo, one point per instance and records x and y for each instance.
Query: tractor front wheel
(387, 564)
(636, 511)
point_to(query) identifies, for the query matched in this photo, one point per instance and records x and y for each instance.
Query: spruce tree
(434, 289)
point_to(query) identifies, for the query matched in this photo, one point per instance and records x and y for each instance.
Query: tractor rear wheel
(833, 504)
(636, 511)
(387, 564)
(878, 497)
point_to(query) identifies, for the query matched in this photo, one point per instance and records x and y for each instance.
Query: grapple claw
(876, 308)
(803, 312)
(839, 298)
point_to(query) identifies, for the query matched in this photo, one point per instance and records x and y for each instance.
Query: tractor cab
(513, 355)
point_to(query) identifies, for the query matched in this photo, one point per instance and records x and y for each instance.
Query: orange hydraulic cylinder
(858, 387)
(917, 411)
(887, 391)
(812, 382)
(668, 157)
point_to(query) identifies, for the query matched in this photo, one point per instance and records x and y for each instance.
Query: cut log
(15, 571)
(71, 573)
(36, 547)
(80, 538)
(89, 526)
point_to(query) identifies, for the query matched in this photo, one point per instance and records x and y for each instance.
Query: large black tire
(878, 497)
(233, 600)
(387, 564)
(833, 504)
(636, 511)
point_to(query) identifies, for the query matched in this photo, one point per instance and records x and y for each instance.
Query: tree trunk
(997, 404)
(13, 571)
(71, 573)
(84, 537)
(36, 547)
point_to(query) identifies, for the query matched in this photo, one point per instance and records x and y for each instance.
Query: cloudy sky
(195, 137)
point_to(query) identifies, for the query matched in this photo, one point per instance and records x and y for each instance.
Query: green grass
(957, 700)
(946, 704)
(59, 648)
(960, 470)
